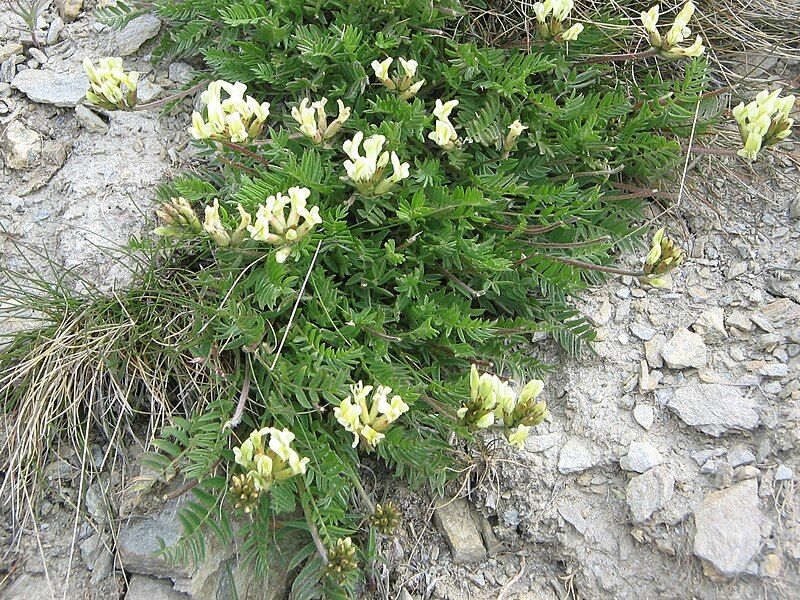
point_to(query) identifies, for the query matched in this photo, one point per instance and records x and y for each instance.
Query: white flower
(213, 225)
(348, 415)
(280, 442)
(518, 436)
(305, 115)
(273, 226)
(542, 10)
(763, 122)
(531, 390)
(442, 110)
(650, 19)
(408, 66)
(110, 86)
(296, 464)
(485, 421)
(371, 437)
(262, 471)
(680, 30)
(391, 409)
(561, 9)
(412, 91)
(572, 33)
(695, 50)
(382, 69)
(236, 118)
(363, 168)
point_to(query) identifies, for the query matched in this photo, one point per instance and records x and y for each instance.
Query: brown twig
(177, 96)
(312, 526)
(245, 151)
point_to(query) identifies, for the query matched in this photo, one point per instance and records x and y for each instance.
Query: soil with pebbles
(668, 468)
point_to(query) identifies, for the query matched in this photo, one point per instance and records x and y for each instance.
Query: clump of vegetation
(342, 287)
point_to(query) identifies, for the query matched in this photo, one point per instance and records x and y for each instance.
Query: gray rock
(38, 55)
(8, 70)
(714, 408)
(783, 473)
(21, 146)
(643, 332)
(794, 207)
(89, 120)
(728, 528)
(641, 457)
(136, 33)
(96, 553)
(147, 91)
(740, 456)
(455, 520)
(180, 72)
(774, 370)
(573, 515)
(649, 492)
(711, 324)
(511, 517)
(685, 349)
(644, 415)
(149, 588)
(652, 351)
(138, 541)
(740, 320)
(49, 87)
(54, 32)
(575, 456)
(97, 502)
(9, 50)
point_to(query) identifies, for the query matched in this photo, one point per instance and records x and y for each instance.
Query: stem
(707, 150)
(312, 526)
(245, 151)
(620, 57)
(459, 283)
(440, 407)
(584, 265)
(237, 415)
(188, 486)
(362, 492)
(177, 96)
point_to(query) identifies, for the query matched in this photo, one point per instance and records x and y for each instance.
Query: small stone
(21, 146)
(575, 456)
(728, 527)
(49, 87)
(736, 269)
(643, 332)
(649, 492)
(644, 415)
(8, 70)
(141, 587)
(685, 349)
(69, 9)
(90, 120)
(774, 370)
(641, 457)
(54, 32)
(602, 315)
(136, 33)
(572, 514)
(783, 473)
(652, 351)
(622, 293)
(711, 324)
(511, 517)
(782, 309)
(740, 320)
(771, 566)
(38, 55)
(740, 456)
(794, 207)
(96, 553)
(747, 472)
(147, 91)
(8, 50)
(455, 520)
(180, 72)
(709, 467)
(714, 408)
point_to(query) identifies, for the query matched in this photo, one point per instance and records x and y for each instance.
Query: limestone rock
(685, 349)
(69, 9)
(136, 33)
(21, 146)
(141, 587)
(641, 457)
(8, 50)
(89, 120)
(644, 415)
(649, 492)
(711, 324)
(714, 408)
(652, 351)
(728, 526)
(575, 456)
(48, 87)
(455, 520)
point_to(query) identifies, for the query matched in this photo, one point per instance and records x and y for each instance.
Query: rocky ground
(669, 466)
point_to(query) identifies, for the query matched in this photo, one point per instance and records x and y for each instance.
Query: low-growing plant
(363, 281)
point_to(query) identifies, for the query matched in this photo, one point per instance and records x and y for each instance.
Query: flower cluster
(493, 400)
(386, 518)
(313, 119)
(668, 45)
(366, 172)
(111, 87)
(763, 122)
(444, 134)
(342, 560)
(550, 17)
(274, 226)
(403, 83)
(235, 118)
(368, 422)
(663, 257)
(213, 226)
(180, 219)
(265, 464)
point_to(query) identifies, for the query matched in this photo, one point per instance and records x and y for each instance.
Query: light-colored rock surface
(649, 492)
(714, 408)
(136, 33)
(50, 87)
(641, 457)
(457, 524)
(91, 121)
(684, 349)
(142, 587)
(728, 525)
(21, 146)
(575, 456)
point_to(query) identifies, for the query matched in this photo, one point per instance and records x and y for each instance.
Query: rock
(641, 457)
(746, 472)
(649, 492)
(740, 320)
(774, 370)
(21, 146)
(136, 33)
(575, 456)
(771, 566)
(652, 351)
(40, 56)
(49, 87)
(180, 72)
(97, 502)
(147, 91)
(794, 207)
(8, 70)
(96, 553)
(54, 32)
(573, 515)
(89, 120)
(685, 349)
(69, 9)
(728, 528)
(643, 332)
(782, 309)
(8, 50)
(455, 520)
(783, 473)
(714, 408)
(644, 415)
(737, 269)
(602, 316)
(149, 588)
(740, 456)
(711, 324)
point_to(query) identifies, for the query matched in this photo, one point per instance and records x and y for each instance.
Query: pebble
(21, 146)
(180, 72)
(794, 207)
(711, 324)
(147, 91)
(783, 473)
(511, 517)
(684, 350)
(90, 120)
(740, 320)
(649, 492)
(714, 408)
(575, 456)
(50, 87)
(54, 32)
(774, 370)
(455, 520)
(38, 55)
(641, 457)
(736, 270)
(652, 351)
(136, 33)
(69, 9)
(7, 70)
(740, 456)
(643, 332)
(728, 528)
(644, 415)
(10, 50)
